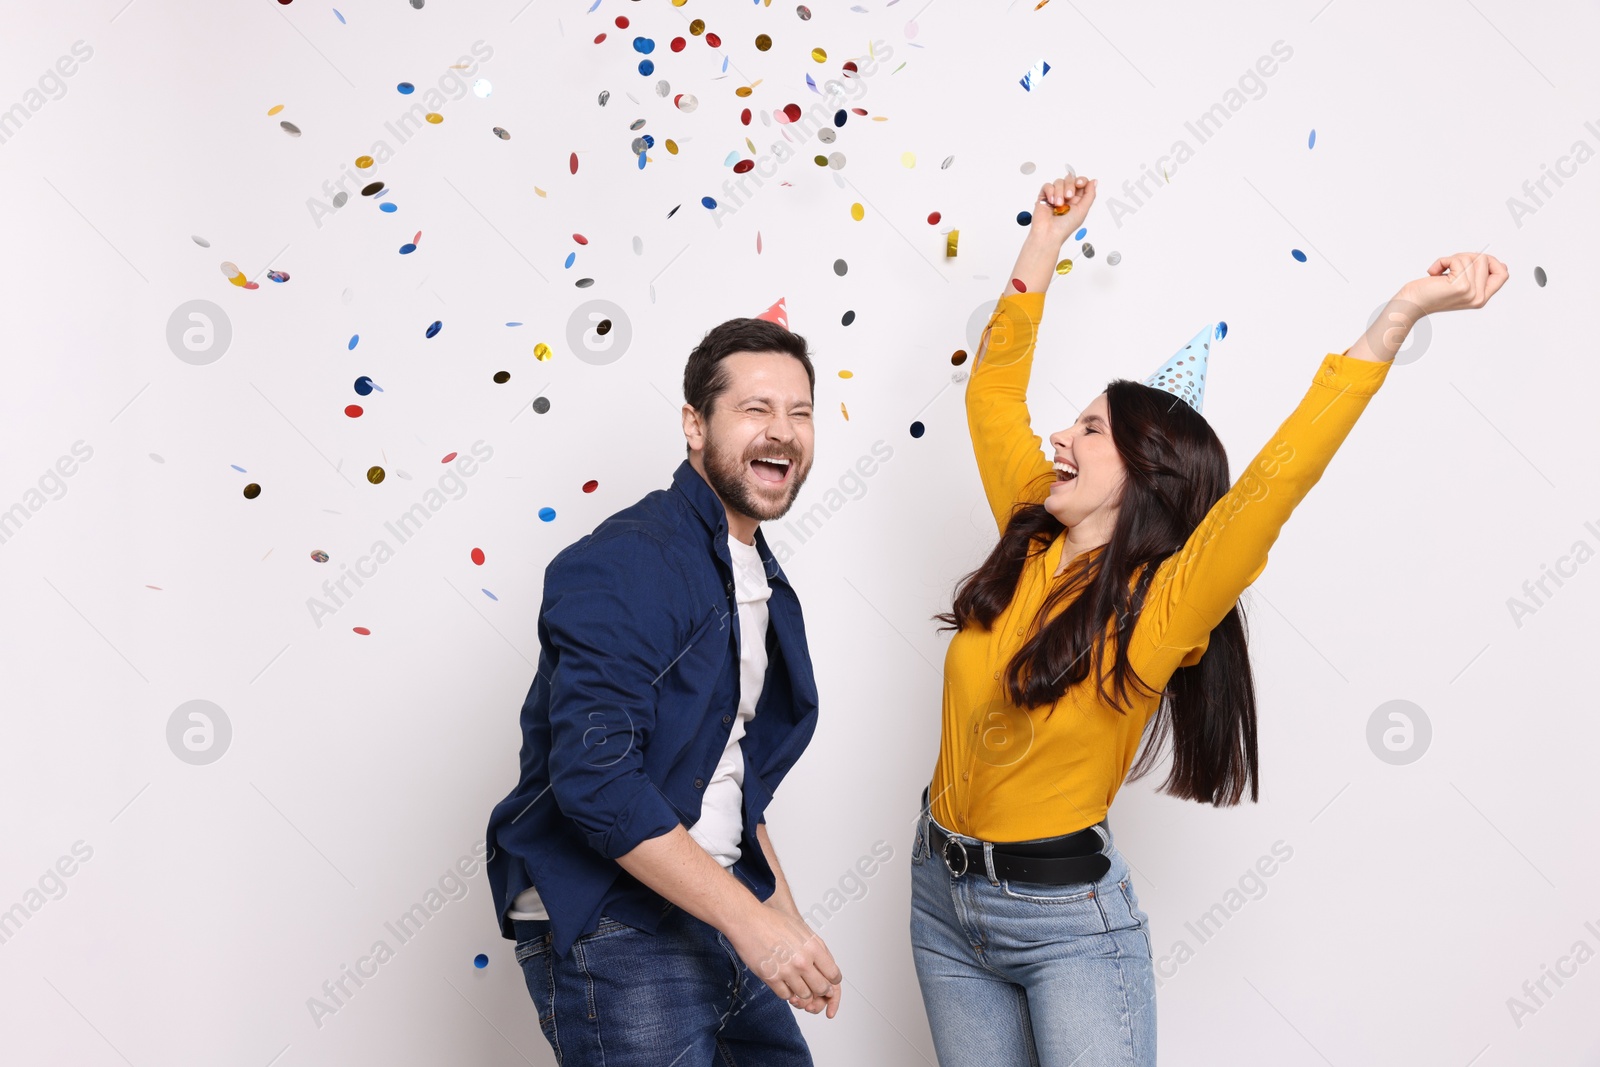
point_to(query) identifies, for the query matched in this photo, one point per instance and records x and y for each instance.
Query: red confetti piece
(933, 218)
(713, 40)
(353, 410)
(678, 43)
(850, 65)
(590, 486)
(758, 242)
(363, 631)
(1017, 284)
(744, 116)
(622, 22)
(448, 458)
(573, 163)
(744, 166)
(600, 38)
(477, 556)
(417, 240)
(791, 113)
(859, 110)
(580, 238)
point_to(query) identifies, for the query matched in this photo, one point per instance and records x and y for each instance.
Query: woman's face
(1089, 472)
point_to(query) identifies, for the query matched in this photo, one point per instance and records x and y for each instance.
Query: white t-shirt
(721, 822)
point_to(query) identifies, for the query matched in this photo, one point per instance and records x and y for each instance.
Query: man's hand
(786, 954)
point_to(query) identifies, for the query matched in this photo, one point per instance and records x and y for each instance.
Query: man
(631, 864)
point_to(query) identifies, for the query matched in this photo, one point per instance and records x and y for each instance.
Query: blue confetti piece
(434, 328)
(724, 64)
(641, 161)
(647, 67)
(1081, 231)
(1297, 254)
(592, 7)
(812, 85)
(731, 158)
(338, 16)
(390, 208)
(355, 339)
(491, 596)
(1311, 142)
(1035, 72)
(547, 514)
(643, 45)
(840, 116)
(378, 388)
(708, 202)
(513, 324)
(406, 88)
(571, 256)
(363, 386)
(481, 961)
(407, 248)
(238, 468)
(1222, 330)
(1024, 217)
(916, 429)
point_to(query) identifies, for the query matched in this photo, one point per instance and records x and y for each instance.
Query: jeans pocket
(919, 842)
(1044, 893)
(1132, 900)
(539, 974)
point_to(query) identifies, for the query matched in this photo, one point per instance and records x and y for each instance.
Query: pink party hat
(776, 313)
(1184, 375)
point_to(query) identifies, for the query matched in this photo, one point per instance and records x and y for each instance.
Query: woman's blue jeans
(1031, 975)
(680, 996)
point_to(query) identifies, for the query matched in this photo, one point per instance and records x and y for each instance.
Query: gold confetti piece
(374, 475)
(763, 42)
(908, 159)
(858, 212)
(819, 55)
(672, 147)
(1060, 209)
(845, 412)
(697, 27)
(751, 145)
(846, 374)
(1040, 4)
(1064, 267)
(542, 353)
(540, 191)
(275, 109)
(434, 117)
(880, 118)
(363, 162)
(743, 90)
(950, 244)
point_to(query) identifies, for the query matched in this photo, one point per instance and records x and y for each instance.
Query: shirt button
(997, 675)
(699, 783)
(727, 718)
(965, 775)
(1019, 633)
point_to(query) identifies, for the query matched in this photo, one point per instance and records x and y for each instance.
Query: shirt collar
(708, 507)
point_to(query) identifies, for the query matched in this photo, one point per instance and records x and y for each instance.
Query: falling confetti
(433, 328)
(480, 961)
(1539, 276)
(547, 514)
(290, 128)
(950, 244)
(541, 405)
(1311, 142)
(1088, 250)
(590, 486)
(917, 429)
(1034, 74)
(1222, 330)
(362, 630)
(319, 556)
(375, 475)
(1064, 267)
(958, 357)
(840, 267)
(1298, 255)
(1113, 258)
(858, 212)
(252, 491)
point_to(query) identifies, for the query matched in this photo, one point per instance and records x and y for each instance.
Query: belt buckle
(944, 854)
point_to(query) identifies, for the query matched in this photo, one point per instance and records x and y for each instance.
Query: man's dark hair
(704, 376)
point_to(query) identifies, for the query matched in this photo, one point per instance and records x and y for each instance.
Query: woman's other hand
(1073, 193)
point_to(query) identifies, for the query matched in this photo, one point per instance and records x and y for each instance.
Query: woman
(1106, 614)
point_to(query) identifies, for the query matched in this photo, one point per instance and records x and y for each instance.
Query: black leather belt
(1076, 857)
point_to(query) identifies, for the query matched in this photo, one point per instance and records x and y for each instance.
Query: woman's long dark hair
(1176, 470)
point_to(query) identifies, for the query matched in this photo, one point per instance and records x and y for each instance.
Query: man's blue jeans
(1020, 974)
(680, 996)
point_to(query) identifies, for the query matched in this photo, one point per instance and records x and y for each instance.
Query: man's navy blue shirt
(632, 706)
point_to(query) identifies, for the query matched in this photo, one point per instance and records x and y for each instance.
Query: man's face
(762, 419)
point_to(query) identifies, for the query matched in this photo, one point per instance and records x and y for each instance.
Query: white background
(219, 898)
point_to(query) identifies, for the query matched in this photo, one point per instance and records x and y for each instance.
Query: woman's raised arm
(1010, 455)
(1196, 587)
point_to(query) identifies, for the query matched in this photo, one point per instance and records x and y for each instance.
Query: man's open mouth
(773, 470)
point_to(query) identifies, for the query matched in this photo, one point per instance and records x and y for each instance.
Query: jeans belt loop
(988, 862)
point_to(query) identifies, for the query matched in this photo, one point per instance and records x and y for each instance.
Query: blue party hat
(1184, 375)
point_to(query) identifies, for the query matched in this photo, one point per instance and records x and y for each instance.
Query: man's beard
(726, 473)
